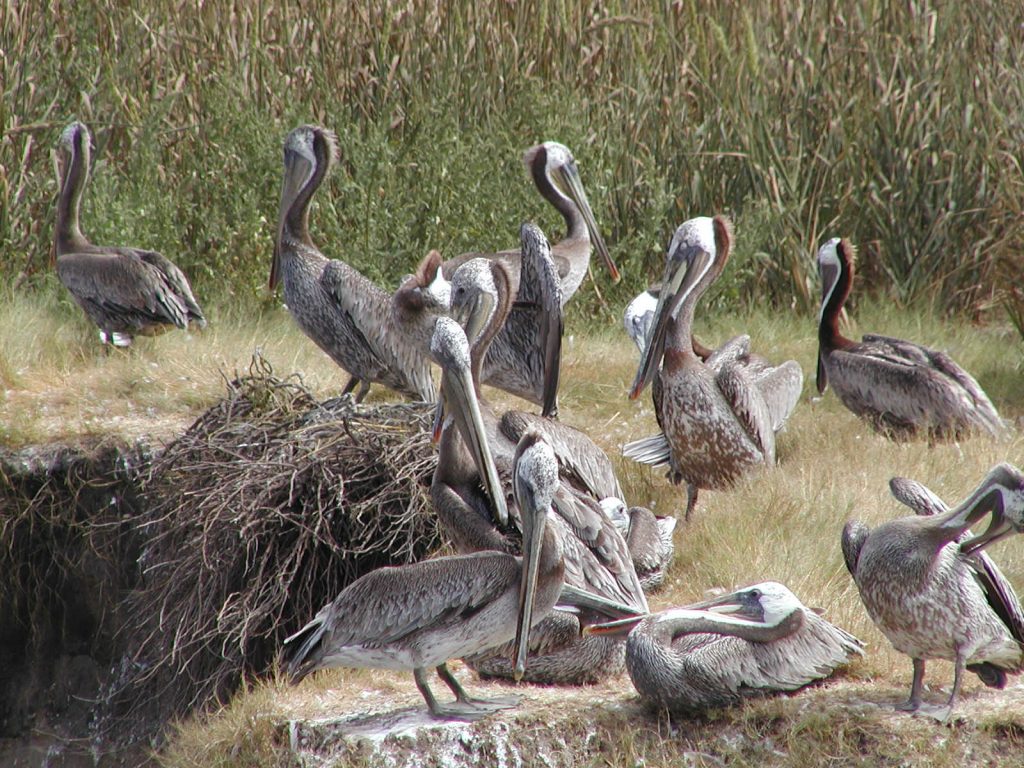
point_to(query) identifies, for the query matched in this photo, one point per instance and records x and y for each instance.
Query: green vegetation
(895, 124)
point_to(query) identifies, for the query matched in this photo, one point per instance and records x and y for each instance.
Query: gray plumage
(596, 557)
(421, 615)
(716, 417)
(901, 389)
(932, 599)
(341, 310)
(753, 642)
(124, 291)
(649, 538)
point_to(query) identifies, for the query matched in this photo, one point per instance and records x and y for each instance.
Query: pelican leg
(691, 499)
(364, 387)
(914, 702)
(458, 710)
(944, 712)
(487, 705)
(352, 383)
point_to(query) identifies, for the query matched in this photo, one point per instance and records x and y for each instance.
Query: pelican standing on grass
(718, 419)
(597, 559)
(753, 642)
(421, 615)
(335, 305)
(932, 596)
(902, 389)
(124, 291)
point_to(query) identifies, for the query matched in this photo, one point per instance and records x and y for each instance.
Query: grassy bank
(896, 124)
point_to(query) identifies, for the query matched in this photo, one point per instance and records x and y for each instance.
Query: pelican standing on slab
(597, 559)
(902, 389)
(717, 418)
(421, 615)
(753, 642)
(932, 597)
(124, 291)
(334, 304)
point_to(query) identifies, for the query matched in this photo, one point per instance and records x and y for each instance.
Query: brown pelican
(596, 557)
(421, 615)
(900, 388)
(752, 642)
(718, 418)
(124, 291)
(932, 596)
(342, 311)
(649, 538)
(554, 171)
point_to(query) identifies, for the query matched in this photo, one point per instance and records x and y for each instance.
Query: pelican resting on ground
(125, 291)
(718, 419)
(472, 509)
(902, 389)
(649, 538)
(335, 305)
(932, 594)
(753, 642)
(421, 615)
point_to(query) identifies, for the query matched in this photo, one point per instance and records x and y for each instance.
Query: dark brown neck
(297, 218)
(829, 336)
(575, 227)
(69, 236)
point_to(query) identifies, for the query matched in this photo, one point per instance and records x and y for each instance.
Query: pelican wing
(780, 386)
(749, 408)
(735, 350)
(855, 533)
(177, 280)
(579, 457)
(596, 555)
(118, 283)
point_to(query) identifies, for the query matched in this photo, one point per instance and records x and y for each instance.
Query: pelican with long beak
(716, 422)
(901, 389)
(930, 592)
(753, 642)
(421, 615)
(341, 310)
(125, 291)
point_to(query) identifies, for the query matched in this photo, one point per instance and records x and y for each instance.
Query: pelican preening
(649, 538)
(421, 615)
(343, 312)
(753, 642)
(554, 171)
(124, 291)
(596, 557)
(902, 389)
(931, 595)
(718, 418)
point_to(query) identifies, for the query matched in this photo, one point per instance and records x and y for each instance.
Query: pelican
(335, 305)
(596, 557)
(649, 538)
(900, 388)
(421, 615)
(718, 419)
(752, 642)
(930, 593)
(124, 291)
(553, 169)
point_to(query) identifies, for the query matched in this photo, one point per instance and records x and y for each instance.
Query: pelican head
(829, 268)
(449, 348)
(309, 153)
(474, 295)
(1003, 489)
(769, 604)
(533, 487)
(552, 163)
(75, 138)
(690, 259)
(427, 288)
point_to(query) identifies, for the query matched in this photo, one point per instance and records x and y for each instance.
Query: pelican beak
(460, 400)
(438, 425)
(618, 628)
(686, 265)
(731, 604)
(532, 540)
(568, 178)
(998, 528)
(297, 171)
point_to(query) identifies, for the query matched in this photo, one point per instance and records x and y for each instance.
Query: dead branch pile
(259, 514)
